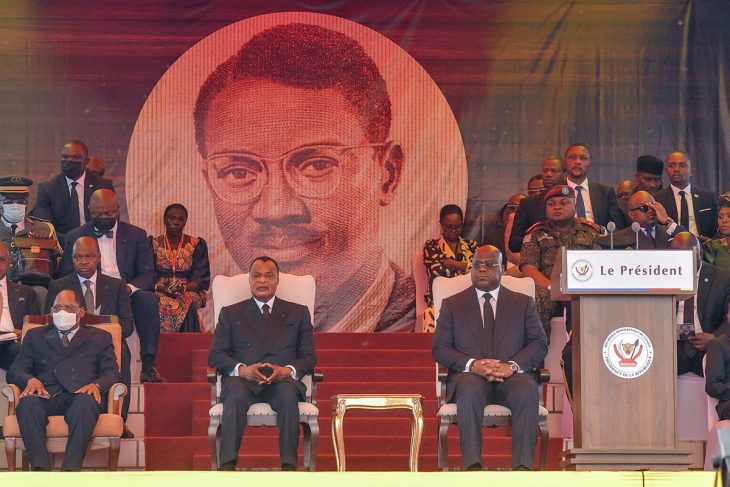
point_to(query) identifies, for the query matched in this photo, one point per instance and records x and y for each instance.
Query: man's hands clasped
(254, 373)
(491, 369)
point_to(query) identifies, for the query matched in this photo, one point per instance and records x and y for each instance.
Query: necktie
(89, 297)
(650, 235)
(689, 317)
(1, 303)
(13, 228)
(99, 234)
(266, 311)
(73, 211)
(64, 338)
(488, 325)
(580, 205)
(683, 210)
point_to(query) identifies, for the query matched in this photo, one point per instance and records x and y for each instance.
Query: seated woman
(183, 273)
(448, 256)
(717, 250)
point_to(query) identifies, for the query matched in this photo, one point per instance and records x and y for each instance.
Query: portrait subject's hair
(264, 258)
(310, 57)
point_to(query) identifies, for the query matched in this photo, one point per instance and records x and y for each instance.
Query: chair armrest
(12, 392)
(317, 376)
(542, 375)
(212, 376)
(441, 376)
(117, 392)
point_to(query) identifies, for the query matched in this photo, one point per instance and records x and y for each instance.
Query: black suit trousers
(8, 352)
(237, 397)
(81, 412)
(145, 306)
(519, 393)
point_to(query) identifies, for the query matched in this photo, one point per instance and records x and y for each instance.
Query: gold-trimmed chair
(494, 414)
(109, 426)
(298, 289)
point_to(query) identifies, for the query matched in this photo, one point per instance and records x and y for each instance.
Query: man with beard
(294, 135)
(648, 177)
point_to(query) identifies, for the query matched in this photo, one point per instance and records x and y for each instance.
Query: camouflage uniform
(540, 248)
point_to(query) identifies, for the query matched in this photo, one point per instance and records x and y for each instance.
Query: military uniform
(540, 248)
(32, 226)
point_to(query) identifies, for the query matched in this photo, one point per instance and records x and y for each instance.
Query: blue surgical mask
(14, 212)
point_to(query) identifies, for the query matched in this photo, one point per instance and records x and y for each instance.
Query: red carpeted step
(175, 351)
(327, 390)
(347, 374)
(169, 407)
(348, 357)
(374, 341)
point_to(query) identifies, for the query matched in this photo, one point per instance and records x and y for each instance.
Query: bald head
(687, 241)
(96, 166)
(103, 203)
(4, 260)
(486, 270)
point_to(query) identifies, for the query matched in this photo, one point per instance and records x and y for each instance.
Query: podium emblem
(582, 270)
(628, 352)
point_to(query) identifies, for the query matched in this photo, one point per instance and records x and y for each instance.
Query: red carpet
(176, 413)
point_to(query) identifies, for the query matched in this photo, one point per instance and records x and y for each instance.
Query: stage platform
(380, 479)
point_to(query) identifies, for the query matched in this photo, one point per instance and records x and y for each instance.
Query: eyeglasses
(455, 226)
(536, 191)
(512, 206)
(312, 171)
(69, 308)
(642, 208)
(485, 265)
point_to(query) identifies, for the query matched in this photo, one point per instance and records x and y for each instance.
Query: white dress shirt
(493, 301)
(690, 206)
(6, 321)
(108, 248)
(80, 193)
(20, 226)
(586, 198)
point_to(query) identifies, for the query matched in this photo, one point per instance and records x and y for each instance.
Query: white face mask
(14, 212)
(63, 320)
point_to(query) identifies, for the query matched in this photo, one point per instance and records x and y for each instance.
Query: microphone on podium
(611, 227)
(636, 227)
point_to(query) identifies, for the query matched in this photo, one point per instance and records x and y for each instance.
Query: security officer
(543, 241)
(32, 242)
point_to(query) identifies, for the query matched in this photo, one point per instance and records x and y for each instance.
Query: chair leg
(314, 440)
(10, 453)
(307, 438)
(443, 447)
(544, 439)
(214, 440)
(114, 454)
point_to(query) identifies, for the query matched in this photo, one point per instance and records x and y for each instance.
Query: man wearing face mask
(125, 254)
(32, 243)
(64, 199)
(63, 369)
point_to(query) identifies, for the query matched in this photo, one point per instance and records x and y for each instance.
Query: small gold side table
(342, 402)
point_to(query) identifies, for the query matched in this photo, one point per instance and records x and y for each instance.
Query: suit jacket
(134, 254)
(242, 337)
(713, 293)
(22, 301)
(717, 369)
(518, 333)
(626, 239)
(54, 198)
(532, 210)
(704, 203)
(111, 298)
(88, 358)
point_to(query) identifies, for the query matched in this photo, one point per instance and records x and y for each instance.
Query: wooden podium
(624, 356)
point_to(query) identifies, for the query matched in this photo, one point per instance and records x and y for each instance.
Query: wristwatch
(514, 367)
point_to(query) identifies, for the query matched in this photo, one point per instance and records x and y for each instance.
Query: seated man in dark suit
(103, 295)
(262, 346)
(656, 228)
(717, 370)
(63, 369)
(692, 207)
(489, 338)
(16, 301)
(707, 310)
(126, 254)
(64, 199)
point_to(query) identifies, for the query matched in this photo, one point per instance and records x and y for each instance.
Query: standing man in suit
(594, 201)
(63, 369)
(656, 228)
(103, 295)
(125, 254)
(262, 346)
(532, 208)
(16, 301)
(692, 207)
(706, 310)
(64, 199)
(489, 338)
(648, 177)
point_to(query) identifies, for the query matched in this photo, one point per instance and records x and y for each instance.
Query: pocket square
(21, 299)
(703, 209)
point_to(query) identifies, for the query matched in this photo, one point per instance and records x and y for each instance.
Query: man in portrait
(294, 132)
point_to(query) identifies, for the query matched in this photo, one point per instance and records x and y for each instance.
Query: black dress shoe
(227, 467)
(288, 467)
(151, 375)
(127, 433)
(521, 468)
(475, 467)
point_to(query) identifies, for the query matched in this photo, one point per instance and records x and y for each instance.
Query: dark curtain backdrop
(524, 78)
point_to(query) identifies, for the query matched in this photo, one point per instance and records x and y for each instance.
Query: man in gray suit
(262, 346)
(489, 338)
